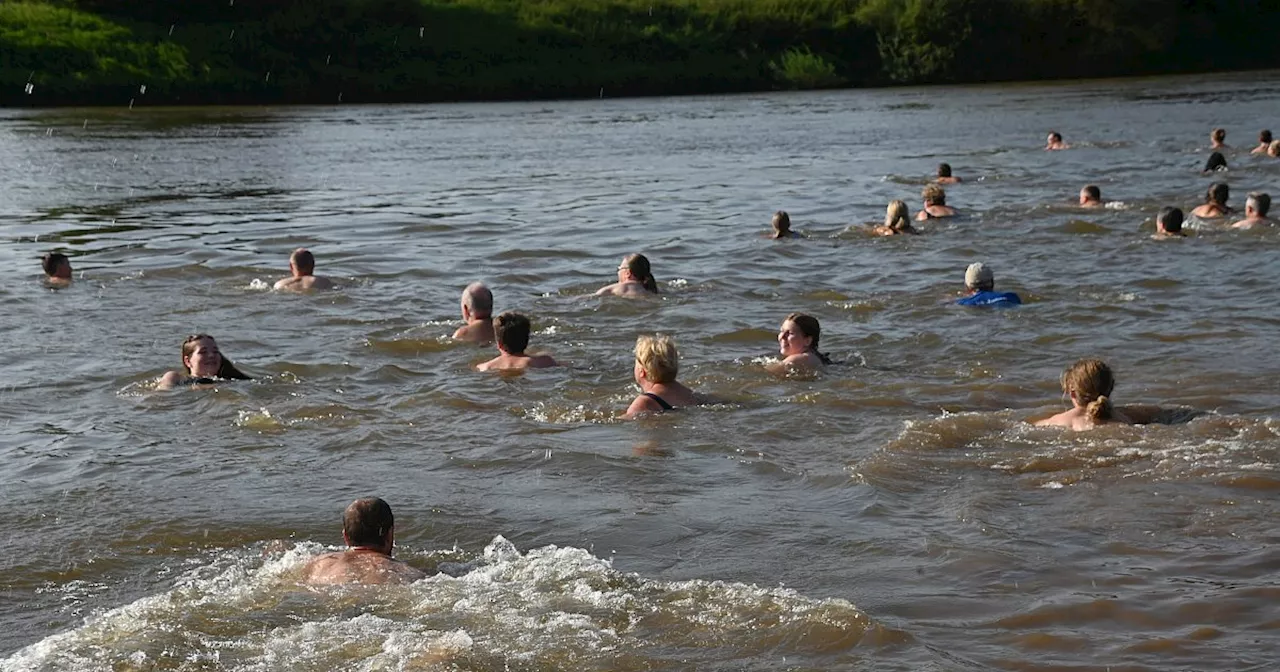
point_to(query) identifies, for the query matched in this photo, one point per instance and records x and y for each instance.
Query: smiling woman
(202, 364)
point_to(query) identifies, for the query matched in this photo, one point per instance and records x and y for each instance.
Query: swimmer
(1216, 163)
(1273, 149)
(57, 269)
(1255, 211)
(477, 312)
(634, 278)
(782, 226)
(511, 332)
(1215, 202)
(202, 364)
(369, 530)
(1054, 142)
(302, 264)
(1091, 197)
(1218, 139)
(656, 366)
(944, 175)
(1169, 224)
(798, 345)
(1264, 142)
(896, 221)
(935, 204)
(980, 285)
(1089, 383)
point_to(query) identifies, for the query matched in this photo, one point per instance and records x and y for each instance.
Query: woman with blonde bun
(1089, 383)
(897, 221)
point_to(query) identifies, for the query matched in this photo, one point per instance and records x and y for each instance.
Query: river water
(893, 513)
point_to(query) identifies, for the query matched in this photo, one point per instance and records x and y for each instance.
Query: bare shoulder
(169, 380)
(608, 290)
(1060, 420)
(285, 283)
(641, 404)
(486, 366)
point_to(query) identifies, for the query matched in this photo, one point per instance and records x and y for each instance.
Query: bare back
(358, 566)
(507, 362)
(628, 288)
(304, 283)
(479, 331)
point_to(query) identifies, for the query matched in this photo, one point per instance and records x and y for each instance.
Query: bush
(800, 68)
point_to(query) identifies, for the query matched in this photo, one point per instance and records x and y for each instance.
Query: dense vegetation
(212, 51)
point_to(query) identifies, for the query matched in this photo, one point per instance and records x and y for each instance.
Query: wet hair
(1092, 382)
(367, 522)
(303, 260)
(781, 224)
(638, 264)
(1264, 137)
(1055, 136)
(511, 331)
(478, 300)
(1259, 201)
(1216, 162)
(658, 356)
(944, 170)
(809, 326)
(895, 216)
(1273, 149)
(1218, 193)
(934, 195)
(52, 262)
(1093, 192)
(226, 369)
(1219, 134)
(1170, 218)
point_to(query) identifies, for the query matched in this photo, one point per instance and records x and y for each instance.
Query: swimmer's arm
(611, 289)
(169, 380)
(283, 283)
(641, 404)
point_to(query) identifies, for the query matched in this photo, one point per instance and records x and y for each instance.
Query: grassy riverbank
(322, 51)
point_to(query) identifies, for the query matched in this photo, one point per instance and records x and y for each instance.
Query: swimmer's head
(1169, 220)
(369, 523)
(1264, 137)
(781, 224)
(1090, 194)
(1218, 193)
(1258, 204)
(56, 265)
(1219, 136)
(636, 267)
(979, 278)
(477, 302)
(799, 333)
(1089, 382)
(658, 358)
(1273, 149)
(934, 195)
(202, 358)
(1055, 137)
(511, 332)
(896, 216)
(1216, 162)
(302, 261)
(944, 170)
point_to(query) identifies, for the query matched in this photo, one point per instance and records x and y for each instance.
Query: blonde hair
(934, 195)
(1273, 149)
(781, 224)
(1092, 382)
(895, 216)
(658, 356)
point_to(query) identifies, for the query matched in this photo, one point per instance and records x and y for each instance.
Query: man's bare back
(479, 331)
(304, 283)
(359, 565)
(508, 362)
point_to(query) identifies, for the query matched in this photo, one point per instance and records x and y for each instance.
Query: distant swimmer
(657, 363)
(1089, 383)
(1273, 149)
(1218, 139)
(302, 264)
(980, 283)
(202, 364)
(944, 175)
(1264, 143)
(634, 278)
(798, 345)
(511, 332)
(782, 226)
(896, 221)
(477, 312)
(1216, 163)
(369, 530)
(1169, 223)
(1091, 196)
(57, 269)
(1255, 211)
(935, 204)
(1054, 142)
(1215, 202)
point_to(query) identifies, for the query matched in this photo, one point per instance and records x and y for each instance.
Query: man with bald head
(369, 530)
(302, 264)
(477, 312)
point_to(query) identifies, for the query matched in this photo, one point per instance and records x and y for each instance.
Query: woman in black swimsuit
(202, 364)
(657, 363)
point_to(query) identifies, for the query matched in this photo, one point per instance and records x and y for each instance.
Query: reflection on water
(740, 535)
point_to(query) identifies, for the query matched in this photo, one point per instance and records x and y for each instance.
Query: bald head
(368, 522)
(477, 300)
(302, 261)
